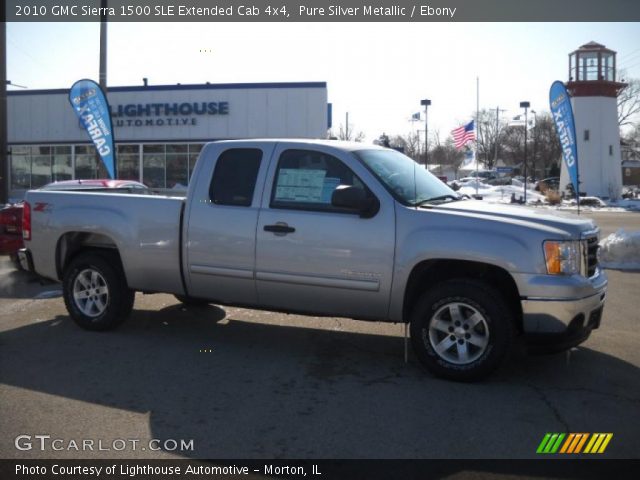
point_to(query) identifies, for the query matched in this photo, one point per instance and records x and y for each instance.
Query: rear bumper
(10, 244)
(25, 259)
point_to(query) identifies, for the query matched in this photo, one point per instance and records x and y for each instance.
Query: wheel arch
(431, 272)
(72, 244)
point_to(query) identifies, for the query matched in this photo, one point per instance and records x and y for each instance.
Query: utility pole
(426, 102)
(4, 150)
(495, 158)
(526, 106)
(346, 128)
(535, 141)
(102, 79)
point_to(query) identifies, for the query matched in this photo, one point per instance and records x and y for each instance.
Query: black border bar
(325, 11)
(548, 468)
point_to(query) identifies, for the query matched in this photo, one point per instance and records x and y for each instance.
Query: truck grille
(591, 255)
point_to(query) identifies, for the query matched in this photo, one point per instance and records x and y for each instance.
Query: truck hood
(570, 223)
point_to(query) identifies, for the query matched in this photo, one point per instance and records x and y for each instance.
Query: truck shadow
(243, 389)
(16, 283)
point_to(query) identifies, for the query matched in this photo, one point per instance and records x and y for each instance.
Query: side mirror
(356, 199)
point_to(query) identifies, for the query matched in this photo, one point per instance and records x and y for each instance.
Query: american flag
(463, 134)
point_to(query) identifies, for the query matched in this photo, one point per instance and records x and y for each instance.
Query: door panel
(222, 227)
(333, 262)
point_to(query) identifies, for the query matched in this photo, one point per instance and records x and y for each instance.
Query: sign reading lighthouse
(165, 114)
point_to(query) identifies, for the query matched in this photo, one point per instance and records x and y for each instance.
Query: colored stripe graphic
(543, 443)
(598, 442)
(550, 443)
(555, 443)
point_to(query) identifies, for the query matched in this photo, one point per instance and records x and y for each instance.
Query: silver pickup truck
(332, 229)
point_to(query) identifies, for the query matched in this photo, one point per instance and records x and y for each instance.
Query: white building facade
(159, 130)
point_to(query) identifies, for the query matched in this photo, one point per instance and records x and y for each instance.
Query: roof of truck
(344, 145)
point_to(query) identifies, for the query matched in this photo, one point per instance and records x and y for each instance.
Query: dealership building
(159, 130)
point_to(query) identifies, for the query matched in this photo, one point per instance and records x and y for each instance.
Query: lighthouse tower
(594, 88)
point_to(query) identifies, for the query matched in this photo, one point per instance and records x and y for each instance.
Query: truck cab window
(234, 178)
(307, 179)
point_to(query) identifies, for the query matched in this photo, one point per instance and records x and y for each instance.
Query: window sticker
(329, 185)
(300, 185)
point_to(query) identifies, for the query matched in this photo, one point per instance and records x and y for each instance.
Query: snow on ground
(504, 194)
(500, 193)
(621, 250)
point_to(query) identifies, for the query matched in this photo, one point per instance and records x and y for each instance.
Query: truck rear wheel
(461, 330)
(95, 291)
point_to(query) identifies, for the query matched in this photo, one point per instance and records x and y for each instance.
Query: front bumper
(564, 322)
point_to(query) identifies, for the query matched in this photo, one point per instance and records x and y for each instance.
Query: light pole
(426, 102)
(525, 105)
(535, 141)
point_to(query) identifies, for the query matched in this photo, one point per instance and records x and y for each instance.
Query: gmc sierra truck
(331, 229)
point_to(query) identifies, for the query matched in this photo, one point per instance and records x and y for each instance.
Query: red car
(11, 215)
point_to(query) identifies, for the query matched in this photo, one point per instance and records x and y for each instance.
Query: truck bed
(145, 230)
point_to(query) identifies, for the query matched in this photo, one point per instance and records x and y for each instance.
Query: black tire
(109, 301)
(192, 302)
(461, 330)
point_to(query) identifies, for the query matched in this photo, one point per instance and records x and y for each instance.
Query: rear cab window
(234, 178)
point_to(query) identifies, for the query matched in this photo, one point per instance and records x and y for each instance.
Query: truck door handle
(281, 228)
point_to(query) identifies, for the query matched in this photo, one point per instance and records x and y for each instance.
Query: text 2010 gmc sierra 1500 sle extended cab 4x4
(333, 229)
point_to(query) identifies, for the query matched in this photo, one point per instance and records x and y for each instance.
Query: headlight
(562, 258)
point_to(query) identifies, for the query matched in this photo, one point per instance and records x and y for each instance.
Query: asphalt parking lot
(248, 384)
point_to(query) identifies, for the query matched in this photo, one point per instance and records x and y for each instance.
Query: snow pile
(504, 194)
(500, 193)
(621, 250)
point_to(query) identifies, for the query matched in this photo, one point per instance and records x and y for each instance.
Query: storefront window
(153, 166)
(40, 166)
(86, 162)
(128, 162)
(20, 167)
(177, 166)
(62, 169)
(194, 153)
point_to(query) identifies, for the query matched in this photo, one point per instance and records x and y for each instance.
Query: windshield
(409, 182)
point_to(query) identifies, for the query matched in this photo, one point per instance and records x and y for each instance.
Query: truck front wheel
(461, 329)
(95, 291)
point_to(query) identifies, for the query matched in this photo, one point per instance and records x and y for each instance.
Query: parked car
(11, 231)
(332, 229)
(11, 215)
(551, 183)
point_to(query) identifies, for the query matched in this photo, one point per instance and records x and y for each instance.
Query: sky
(377, 72)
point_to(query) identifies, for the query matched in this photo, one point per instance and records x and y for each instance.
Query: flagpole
(477, 127)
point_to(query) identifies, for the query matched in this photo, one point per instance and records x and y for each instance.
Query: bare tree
(544, 152)
(447, 154)
(633, 135)
(629, 102)
(349, 134)
(410, 144)
(490, 129)
(547, 152)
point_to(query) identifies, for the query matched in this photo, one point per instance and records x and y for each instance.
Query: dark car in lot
(551, 183)
(11, 215)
